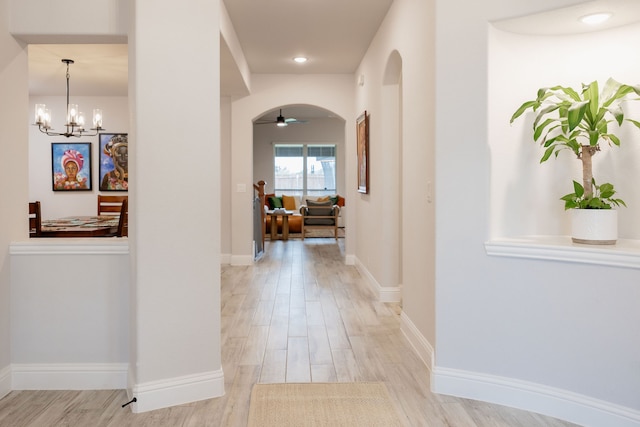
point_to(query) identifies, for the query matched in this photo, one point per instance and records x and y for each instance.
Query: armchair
(319, 215)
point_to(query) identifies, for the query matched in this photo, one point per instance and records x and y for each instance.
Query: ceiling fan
(281, 121)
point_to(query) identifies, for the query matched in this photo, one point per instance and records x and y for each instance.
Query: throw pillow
(317, 203)
(289, 202)
(275, 202)
(322, 199)
(319, 208)
(334, 200)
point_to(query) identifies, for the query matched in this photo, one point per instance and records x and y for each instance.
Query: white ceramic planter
(594, 226)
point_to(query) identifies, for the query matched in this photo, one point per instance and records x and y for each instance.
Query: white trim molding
(384, 293)
(241, 260)
(68, 376)
(550, 401)
(420, 344)
(177, 391)
(78, 246)
(625, 253)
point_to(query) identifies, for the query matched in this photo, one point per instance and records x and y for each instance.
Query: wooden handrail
(259, 187)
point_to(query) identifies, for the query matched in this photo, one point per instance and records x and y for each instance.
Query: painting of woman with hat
(70, 166)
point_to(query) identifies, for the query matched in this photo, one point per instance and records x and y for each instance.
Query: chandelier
(75, 118)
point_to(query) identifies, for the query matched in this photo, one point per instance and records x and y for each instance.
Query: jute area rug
(322, 404)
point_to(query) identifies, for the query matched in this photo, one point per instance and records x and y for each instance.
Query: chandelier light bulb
(97, 118)
(40, 108)
(75, 119)
(72, 117)
(81, 121)
(47, 118)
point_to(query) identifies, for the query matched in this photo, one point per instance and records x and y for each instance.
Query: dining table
(81, 226)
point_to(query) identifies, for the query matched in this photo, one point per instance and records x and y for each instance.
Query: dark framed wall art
(362, 128)
(114, 162)
(71, 166)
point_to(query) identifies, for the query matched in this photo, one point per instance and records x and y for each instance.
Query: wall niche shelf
(625, 253)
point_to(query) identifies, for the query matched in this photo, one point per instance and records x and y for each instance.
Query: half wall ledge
(625, 253)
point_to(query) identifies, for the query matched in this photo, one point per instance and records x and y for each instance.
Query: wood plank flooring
(297, 315)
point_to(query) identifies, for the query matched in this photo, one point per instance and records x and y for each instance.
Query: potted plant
(579, 122)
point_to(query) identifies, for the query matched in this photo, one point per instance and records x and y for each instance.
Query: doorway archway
(308, 129)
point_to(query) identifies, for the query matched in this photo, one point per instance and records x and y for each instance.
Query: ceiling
(99, 70)
(567, 20)
(333, 34)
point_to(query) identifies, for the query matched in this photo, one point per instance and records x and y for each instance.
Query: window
(301, 169)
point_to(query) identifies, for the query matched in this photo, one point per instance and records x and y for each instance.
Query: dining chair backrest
(110, 205)
(123, 222)
(35, 219)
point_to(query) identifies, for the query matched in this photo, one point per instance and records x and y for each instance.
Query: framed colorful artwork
(71, 166)
(362, 127)
(114, 162)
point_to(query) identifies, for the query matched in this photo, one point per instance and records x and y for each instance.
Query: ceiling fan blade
(294, 120)
(280, 121)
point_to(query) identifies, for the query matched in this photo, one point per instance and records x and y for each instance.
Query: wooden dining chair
(123, 222)
(35, 219)
(110, 205)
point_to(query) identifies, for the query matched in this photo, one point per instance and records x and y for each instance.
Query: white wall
(13, 174)
(402, 163)
(524, 194)
(316, 131)
(548, 336)
(70, 315)
(177, 262)
(163, 351)
(225, 179)
(57, 204)
(43, 20)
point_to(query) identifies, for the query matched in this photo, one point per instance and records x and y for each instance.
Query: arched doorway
(392, 128)
(300, 150)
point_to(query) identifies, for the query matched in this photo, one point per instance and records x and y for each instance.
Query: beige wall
(402, 160)
(13, 173)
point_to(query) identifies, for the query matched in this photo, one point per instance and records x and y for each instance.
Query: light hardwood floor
(298, 315)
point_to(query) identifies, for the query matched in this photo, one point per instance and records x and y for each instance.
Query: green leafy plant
(579, 122)
(602, 197)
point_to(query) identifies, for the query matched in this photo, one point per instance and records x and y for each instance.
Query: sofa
(293, 203)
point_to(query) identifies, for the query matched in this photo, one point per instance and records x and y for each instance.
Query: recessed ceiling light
(300, 59)
(595, 18)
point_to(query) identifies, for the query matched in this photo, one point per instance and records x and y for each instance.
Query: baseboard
(241, 260)
(177, 391)
(225, 259)
(5, 381)
(550, 401)
(67, 376)
(420, 344)
(384, 293)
